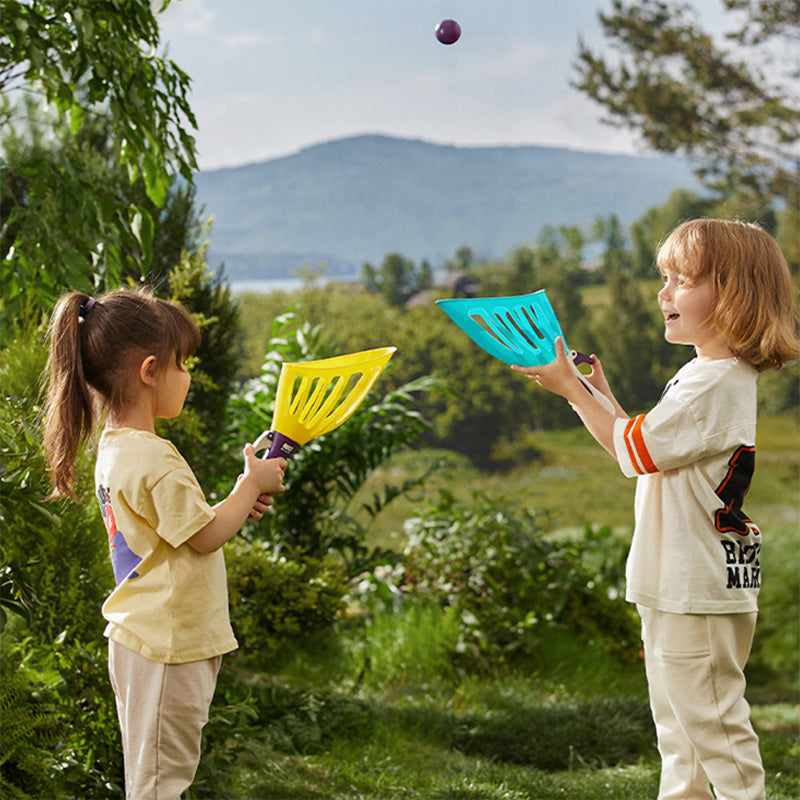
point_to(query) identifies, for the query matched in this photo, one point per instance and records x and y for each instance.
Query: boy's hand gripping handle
(576, 358)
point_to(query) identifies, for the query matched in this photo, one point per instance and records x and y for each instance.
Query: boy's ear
(148, 371)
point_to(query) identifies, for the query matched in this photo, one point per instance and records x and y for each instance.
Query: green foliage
(278, 598)
(398, 279)
(779, 391)
(492, 562)
(89, 757)
(414, 645)
(306, 720)
(682, 91)
(56, 572)
(774, 664)
(60, 735)
(58, 549)
(30, 730)
(109, 99)
(326, 473)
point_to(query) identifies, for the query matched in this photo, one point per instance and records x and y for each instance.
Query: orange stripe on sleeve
(631, 452)
(641, 448)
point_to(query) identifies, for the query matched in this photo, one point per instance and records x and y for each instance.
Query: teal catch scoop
(519, 329)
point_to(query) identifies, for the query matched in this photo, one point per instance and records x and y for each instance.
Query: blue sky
(272, 76)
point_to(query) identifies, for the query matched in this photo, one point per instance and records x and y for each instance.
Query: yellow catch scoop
(314, 397)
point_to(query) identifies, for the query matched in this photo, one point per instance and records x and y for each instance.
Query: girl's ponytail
(70, 406)
(95, 350)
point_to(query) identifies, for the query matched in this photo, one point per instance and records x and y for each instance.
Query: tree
(734, 109)
(398, 279)
(86, 61)
(559, 253)
(655, 224)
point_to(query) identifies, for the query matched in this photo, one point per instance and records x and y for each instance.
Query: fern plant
(30, 730)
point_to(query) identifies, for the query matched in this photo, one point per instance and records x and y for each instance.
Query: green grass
(574, 482)
(514, 736)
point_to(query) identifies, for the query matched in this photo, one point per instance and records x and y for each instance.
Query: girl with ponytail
(121, 358)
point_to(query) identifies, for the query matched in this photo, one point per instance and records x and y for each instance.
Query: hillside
(357, 199)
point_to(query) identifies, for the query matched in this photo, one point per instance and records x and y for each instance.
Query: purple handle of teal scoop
(580, 358)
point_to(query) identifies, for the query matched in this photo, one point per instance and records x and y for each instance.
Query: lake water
(265, 286)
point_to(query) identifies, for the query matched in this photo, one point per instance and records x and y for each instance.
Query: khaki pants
(695, 671)
(162, 709)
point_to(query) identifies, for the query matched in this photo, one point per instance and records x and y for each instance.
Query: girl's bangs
(182, 335)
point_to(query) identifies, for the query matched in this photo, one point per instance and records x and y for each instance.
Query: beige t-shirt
(171, 602)
(694, 550)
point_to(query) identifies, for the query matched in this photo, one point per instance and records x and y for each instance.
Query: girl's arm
(559, 377)
(261, 477)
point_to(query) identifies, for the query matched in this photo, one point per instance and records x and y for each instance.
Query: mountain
(356, 199)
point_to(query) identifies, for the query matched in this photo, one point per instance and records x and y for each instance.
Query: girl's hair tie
(86, 307)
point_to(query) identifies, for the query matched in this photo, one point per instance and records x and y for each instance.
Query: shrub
(308, 720)
(30, 729)
(60, 733)
(275, 598)
(58, 549)
(492, 562)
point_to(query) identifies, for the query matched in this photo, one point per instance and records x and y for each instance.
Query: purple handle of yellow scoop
(277, 445)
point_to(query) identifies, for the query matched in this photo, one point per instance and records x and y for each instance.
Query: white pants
(695, 671)
(162, 709)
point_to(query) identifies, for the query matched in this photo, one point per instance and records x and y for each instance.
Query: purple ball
(448, 31)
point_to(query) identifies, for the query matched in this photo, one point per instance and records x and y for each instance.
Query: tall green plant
(324, 476)
(30, 730)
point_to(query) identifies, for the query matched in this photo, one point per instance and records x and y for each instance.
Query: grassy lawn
(529, 736)
(574, 482)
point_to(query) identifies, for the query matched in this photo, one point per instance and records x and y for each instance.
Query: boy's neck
(713, 347)
(716, 352)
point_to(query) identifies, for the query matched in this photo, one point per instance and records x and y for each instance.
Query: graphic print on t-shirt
(123, 559)
(741, 550)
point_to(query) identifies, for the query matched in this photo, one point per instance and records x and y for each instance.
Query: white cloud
(244, 39)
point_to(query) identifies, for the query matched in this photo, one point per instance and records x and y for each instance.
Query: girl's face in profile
(172, 386)
(687, 305)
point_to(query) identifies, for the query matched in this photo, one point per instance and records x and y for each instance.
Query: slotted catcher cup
(314, 397)
(519, 329)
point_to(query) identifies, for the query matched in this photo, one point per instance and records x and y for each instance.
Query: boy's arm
(260, 477)
(559, 377)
